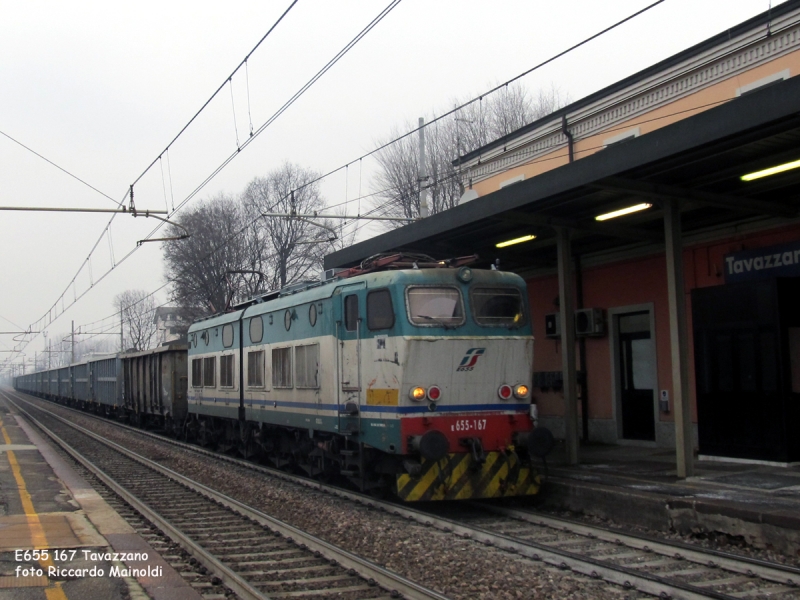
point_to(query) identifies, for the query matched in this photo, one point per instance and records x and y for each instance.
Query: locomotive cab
(446, 381)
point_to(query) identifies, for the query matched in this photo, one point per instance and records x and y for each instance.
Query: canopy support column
(679, 340)
(566, 296)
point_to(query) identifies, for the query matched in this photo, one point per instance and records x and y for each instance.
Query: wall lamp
(622, 211)
(519, 240)
(771, 171)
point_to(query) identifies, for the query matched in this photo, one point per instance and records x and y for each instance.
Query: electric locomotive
(406, 375)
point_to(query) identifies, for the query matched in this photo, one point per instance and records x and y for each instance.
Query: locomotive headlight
(521, 391)
(505, 391)
(417, 393)
(434, 393)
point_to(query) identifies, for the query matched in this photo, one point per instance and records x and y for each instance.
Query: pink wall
(630, 282)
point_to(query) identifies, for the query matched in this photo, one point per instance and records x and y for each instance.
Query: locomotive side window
(306, 360)
(312, 314)
(380, 312)
(256, 330)
(226, 368)
(351, 312)
(209, 371)
(255, 369)
(435, 306)
(197, 372)
(227, 335)
(282, 367)
(497, 307)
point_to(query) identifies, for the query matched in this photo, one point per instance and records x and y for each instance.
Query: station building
(677, 324)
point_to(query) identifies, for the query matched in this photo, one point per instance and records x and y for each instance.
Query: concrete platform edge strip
(779, 530)
(117, 532)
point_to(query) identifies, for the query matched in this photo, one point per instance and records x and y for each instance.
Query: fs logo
(470, 359)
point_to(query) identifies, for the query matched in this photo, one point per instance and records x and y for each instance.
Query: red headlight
(505, 392)
(434, 393)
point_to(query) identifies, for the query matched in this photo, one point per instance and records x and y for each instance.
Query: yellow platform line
(38, 536)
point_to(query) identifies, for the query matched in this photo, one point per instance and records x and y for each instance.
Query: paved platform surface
(56, 532)
(639, 485)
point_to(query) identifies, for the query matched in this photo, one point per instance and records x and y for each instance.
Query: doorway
(636, 375)
(747, 362)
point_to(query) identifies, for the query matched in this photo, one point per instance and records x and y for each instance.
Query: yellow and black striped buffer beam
(461, 477)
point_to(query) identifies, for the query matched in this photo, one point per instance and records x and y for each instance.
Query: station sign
(763, 263)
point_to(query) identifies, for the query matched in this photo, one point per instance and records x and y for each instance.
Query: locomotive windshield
(435, 305)
(497, 306)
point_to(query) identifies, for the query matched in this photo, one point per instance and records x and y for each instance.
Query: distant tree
(397, 181)
(60, 350)
(95, 345)
(137, 310)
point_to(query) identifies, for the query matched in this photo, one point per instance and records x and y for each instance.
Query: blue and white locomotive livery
(406, 375)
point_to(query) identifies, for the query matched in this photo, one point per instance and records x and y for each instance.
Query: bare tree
(398, 177)
(234, 251)
(397, 181)
(293, 247)
(137, 309)
(203, 268)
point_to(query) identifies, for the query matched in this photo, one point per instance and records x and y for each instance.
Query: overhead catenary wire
(295, 97)
(60, 168)
(217, 91)
(233, 109)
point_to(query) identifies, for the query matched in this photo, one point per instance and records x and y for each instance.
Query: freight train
(404, 375)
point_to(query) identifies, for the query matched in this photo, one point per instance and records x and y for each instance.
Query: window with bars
(209, 371)
(282, 367)
(255, 369)
(227, 367)
(197, 372)
(307, 366)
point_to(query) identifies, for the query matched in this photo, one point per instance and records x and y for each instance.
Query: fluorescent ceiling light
(771, 171)
(622, 211)
(519, 240)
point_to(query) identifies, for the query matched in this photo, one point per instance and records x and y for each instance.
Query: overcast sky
(101, 88)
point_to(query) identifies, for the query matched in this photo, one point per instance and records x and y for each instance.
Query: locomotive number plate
(469, 425)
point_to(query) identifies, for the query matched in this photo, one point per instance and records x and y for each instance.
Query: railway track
(661, 568)
(251, 553)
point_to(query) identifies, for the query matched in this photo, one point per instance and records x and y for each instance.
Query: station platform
(637, 485)
(58, 537)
